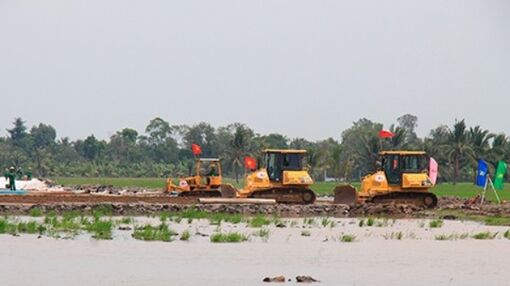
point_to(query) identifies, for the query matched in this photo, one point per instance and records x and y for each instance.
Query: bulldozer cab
(210, 170)
(396, 163)
(278, 161)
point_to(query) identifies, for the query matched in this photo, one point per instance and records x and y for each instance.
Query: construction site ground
(135, 200)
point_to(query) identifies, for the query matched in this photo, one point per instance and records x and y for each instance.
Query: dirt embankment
(129, 205)
(141, 201)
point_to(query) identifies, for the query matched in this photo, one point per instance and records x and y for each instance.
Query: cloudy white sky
(301, 68)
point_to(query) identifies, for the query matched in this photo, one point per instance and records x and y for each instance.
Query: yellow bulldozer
(206, 182)
(401, 178)
(283, 177)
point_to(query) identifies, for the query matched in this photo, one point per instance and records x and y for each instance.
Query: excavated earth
(140, 201)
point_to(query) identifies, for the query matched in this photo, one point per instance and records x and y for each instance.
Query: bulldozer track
(428, 200)
(286, 195)
(211, 193)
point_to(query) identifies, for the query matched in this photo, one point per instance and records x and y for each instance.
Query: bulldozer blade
(228, 191)
(345, 194)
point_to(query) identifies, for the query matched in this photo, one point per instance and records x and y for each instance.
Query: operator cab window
(273, 167)
(391, 165)
(292, 162)
(413, 164)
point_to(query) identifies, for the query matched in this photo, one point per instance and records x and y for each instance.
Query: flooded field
(335, 251)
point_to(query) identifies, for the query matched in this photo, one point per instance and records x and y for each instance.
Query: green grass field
(463, 190)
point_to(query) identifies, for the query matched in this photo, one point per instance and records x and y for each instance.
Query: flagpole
(484, 189)
(495, 192)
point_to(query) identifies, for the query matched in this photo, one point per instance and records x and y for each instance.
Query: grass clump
(497, 221)
(384, 222)
(218, 218)
(163, 217)
(30, 227)
(191, 213)
(102, 210)
(7, 227)
(100, 229)
(507, 234)
(259, 221)
(347, 238)
(154, 233)
(68, 223)
(373, 222)
(309, 221)
(437, 223)
(126, 220)
(453, 236)
(443, 237)
(35, 212)
(263, 233)
(326, 221)
(185, 235)
(394, 235)
(485, 235)
(230, 237)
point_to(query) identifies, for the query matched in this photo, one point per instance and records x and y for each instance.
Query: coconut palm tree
(499, 149)
(458, 148)
(240, 146)
(480, 140)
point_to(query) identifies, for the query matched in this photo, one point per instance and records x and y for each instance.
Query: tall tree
(408, 124)
(361, 147)
(159, 131)
(159, 142)
(240, 146)
(90, 148)
(458, 147)
(42, 137)
(202, 134)
(18, 131)
(274, 141)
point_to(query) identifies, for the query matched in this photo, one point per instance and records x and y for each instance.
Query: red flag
(386, 134)
(250, 163)
(196, 149)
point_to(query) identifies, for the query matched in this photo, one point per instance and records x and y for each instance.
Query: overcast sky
(300, 68)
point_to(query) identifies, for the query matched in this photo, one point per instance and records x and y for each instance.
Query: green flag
(500, 173)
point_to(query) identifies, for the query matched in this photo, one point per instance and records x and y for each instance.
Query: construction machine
(283, 177)
(401, 178)
(205, 183)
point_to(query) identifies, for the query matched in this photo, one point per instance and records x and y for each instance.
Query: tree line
(163, 149)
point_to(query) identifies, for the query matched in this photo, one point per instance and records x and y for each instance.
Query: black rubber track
(428, 200)
(286, 195)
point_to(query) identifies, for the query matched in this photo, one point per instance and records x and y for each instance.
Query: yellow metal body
(377, 183)
(198, 181)
(259, 179)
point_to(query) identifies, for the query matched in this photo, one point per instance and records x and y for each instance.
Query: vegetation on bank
(163, 150)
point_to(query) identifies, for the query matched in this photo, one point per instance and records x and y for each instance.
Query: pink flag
(433, 170)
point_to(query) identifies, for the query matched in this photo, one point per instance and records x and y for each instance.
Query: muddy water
(373, 259)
